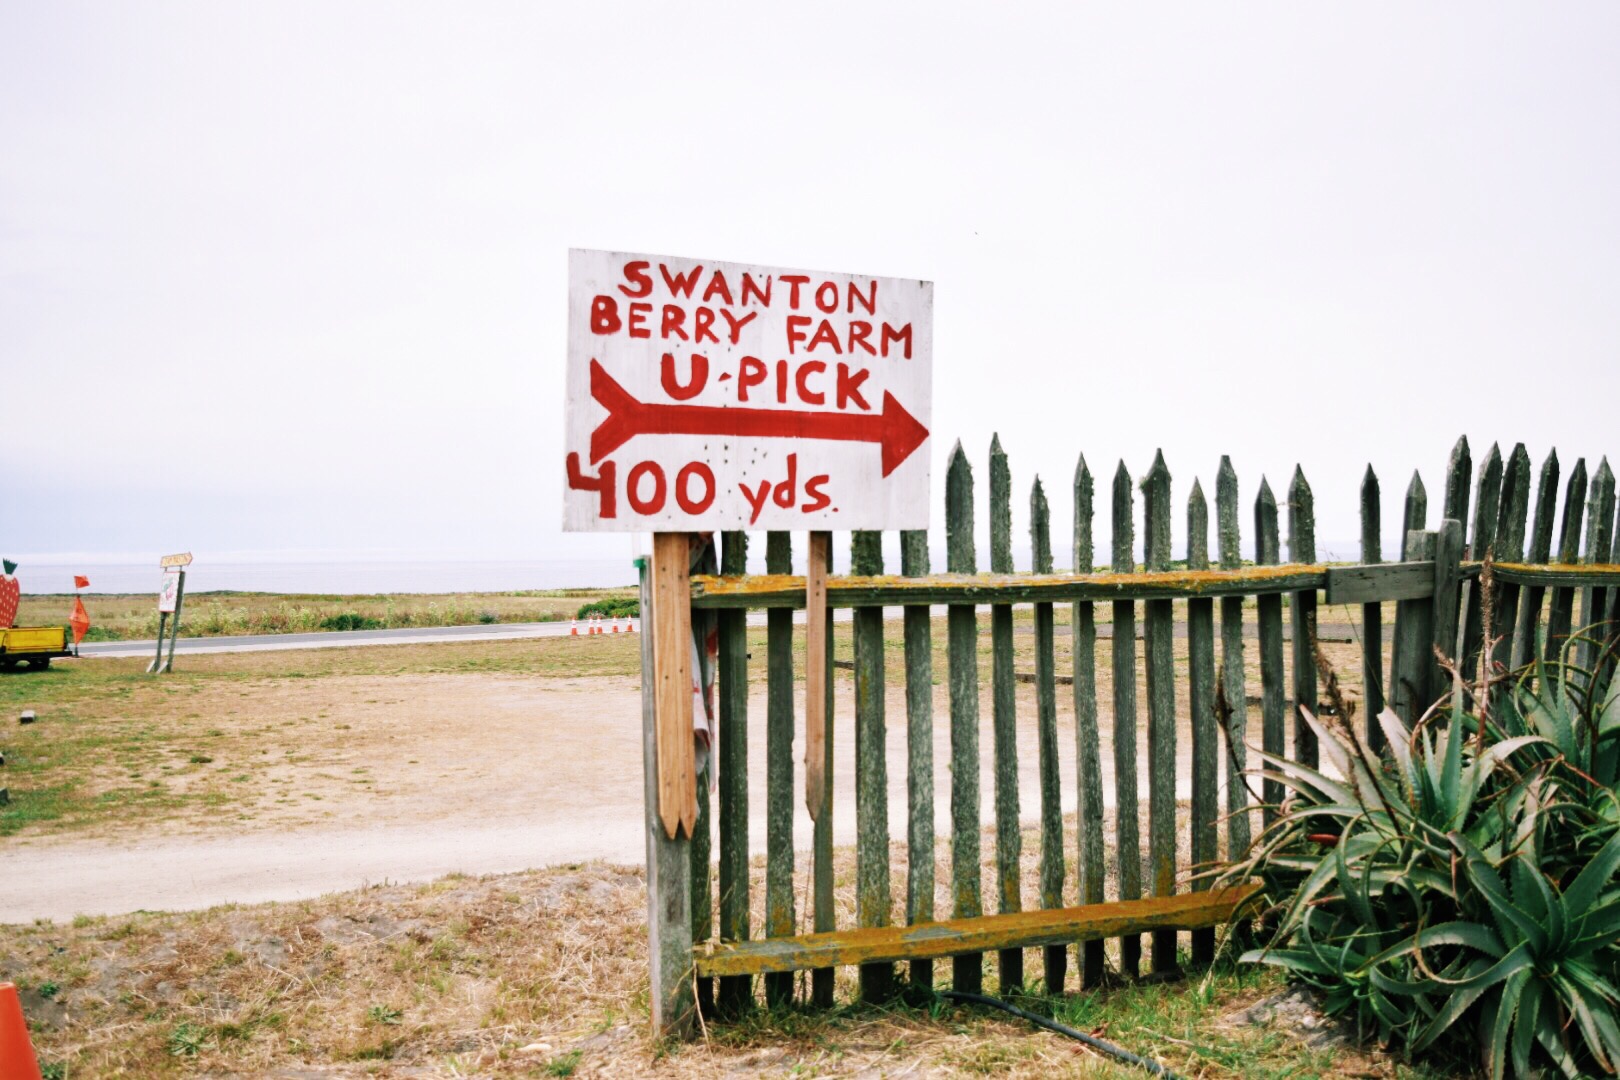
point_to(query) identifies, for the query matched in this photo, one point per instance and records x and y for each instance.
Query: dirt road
(415, 776)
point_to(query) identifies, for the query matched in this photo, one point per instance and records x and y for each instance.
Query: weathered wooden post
(1372, 615)
(1561, 604)
(1599, 540)
(179, 608)
(1233, 683)
(163, 628)
(1459, 470)
(1055, 966)
(1448, 550)
(1159, 643)
(919, 645)
(701, 560)
(736, 992)
(1529, 622)
(1201, 704)
(1302, 613)
(825, 916)
(1127, 813)
(1481, 542)
(779, 724)
(962, 630)
(1414, 637)
(1004, 719)
(1088, 745)
(1510, 525)
(669, 871)
(872, 899)
(1268, 616)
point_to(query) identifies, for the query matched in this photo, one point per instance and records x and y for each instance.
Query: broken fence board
(957, 937)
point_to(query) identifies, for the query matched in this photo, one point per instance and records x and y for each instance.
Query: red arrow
(896, 429)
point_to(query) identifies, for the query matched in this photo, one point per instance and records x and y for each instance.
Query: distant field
(120, 617)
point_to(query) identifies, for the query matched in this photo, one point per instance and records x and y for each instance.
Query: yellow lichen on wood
(784, 589)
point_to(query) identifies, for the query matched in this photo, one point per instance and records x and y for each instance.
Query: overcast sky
(293, 276)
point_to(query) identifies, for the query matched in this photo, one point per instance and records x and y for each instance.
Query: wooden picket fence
(1439, 605)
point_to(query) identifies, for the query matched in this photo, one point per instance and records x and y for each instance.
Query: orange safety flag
(80, 620)
(80, 581)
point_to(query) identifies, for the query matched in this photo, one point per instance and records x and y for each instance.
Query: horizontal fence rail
(1092, 881)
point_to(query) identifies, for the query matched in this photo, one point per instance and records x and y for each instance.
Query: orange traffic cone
(573, 627)
(17, 1060)
(615, 624)
(629, 626)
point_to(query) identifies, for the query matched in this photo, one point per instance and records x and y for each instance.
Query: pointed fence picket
(706, 948)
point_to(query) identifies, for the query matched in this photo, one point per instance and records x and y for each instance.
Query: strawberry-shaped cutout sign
(10, 595)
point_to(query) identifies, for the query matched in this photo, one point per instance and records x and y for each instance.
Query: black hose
(1062, 1029)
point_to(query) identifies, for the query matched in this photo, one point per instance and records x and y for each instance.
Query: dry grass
(119, 617)
(543, 973)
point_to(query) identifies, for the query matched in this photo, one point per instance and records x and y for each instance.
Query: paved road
(348, 639)
(334, 639)
(428, 635)
(60, 879)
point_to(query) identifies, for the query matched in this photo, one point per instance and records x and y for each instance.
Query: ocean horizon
(296, 573)
(333, 576)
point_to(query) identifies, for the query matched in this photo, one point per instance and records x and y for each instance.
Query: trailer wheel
(39, 663)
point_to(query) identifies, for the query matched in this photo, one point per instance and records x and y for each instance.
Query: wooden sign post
(673, 677)
(171, 601)
(706, 396)
(818, 559)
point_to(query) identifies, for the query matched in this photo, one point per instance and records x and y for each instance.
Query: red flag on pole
(80, 581)
(80, 620)
(10, 594)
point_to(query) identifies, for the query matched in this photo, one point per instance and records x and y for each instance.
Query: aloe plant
(1462, 887)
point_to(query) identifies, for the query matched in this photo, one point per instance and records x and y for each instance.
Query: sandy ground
(407, 777)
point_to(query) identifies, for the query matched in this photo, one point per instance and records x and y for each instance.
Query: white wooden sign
(169, 592)
(714, 395)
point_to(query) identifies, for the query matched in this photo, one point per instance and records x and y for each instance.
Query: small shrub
(488, 618)
(564, 1064)
(383, 1014)
(626, 608)
(187, 1039)
(349, 620)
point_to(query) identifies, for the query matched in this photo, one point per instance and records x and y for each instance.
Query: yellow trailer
(35, 646)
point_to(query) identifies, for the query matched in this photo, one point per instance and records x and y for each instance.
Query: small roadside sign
(169, 593)
(171, 602)
(707, 395)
